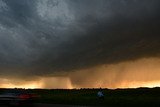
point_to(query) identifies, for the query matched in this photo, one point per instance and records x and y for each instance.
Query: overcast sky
(46, 37)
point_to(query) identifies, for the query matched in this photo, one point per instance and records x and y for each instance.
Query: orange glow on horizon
(26, 86)
(126, 84)
(47, 82)
(150, 84)
(130, 74)
(7, 83)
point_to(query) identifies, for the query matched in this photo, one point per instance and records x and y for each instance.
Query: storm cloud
(42, 38)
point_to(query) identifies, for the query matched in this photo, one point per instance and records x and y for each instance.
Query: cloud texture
(56, 37)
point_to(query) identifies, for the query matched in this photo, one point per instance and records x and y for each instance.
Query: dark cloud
(41, 37)
(110, 31)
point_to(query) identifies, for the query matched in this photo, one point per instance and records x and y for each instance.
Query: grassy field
(117, 97)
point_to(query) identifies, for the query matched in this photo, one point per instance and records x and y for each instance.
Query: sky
(79, 43)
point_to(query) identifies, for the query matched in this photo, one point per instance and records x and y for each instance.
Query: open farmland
(88, 97)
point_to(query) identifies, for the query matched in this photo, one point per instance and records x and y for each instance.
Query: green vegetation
(117, 97)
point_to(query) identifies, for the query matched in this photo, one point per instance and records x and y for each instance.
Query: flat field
(88, 97)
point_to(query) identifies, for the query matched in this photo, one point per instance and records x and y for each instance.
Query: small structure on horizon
(100, 94)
